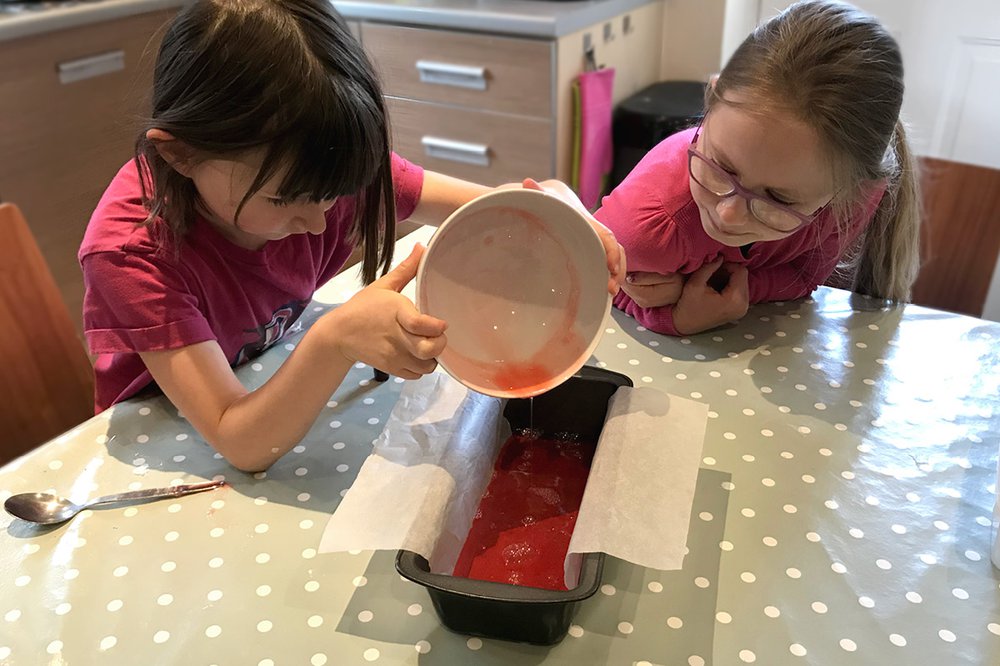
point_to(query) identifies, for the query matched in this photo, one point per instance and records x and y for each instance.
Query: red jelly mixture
(522, 527)
(525, 377)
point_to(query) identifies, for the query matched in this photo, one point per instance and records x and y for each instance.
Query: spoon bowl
(49, 509)
(41, 508)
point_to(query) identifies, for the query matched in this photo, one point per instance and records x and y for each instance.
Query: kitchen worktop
(529, 18)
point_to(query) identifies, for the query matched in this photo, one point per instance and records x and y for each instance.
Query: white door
(951, 55)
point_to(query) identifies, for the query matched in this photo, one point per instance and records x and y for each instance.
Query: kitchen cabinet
(495, 108)
(70, 106)
(491, 107)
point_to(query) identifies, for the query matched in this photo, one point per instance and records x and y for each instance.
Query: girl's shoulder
(656, 192)
(660, 178)
(118, 222)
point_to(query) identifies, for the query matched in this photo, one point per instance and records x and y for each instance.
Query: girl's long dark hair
(285, 77)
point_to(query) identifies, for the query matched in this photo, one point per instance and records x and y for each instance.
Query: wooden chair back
(48, 382)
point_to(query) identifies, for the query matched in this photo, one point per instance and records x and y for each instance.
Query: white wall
(692, 38)
(991, 308)
(740, 19)
(700, 35)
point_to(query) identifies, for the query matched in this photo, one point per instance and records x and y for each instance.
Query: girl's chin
(730, 240)
(715, 232)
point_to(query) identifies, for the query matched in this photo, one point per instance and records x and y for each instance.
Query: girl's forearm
(659, 319)
(441, 195)
(261, 426)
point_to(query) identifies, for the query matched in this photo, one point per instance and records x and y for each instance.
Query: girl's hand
(713, 295)
(615, 252)
(382, 328)
(653, 290)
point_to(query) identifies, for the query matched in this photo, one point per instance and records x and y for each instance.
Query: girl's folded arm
(779, 283)
(798, 277)
(251, 429)
(658, 319)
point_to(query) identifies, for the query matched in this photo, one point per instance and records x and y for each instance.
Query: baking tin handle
(414, 567)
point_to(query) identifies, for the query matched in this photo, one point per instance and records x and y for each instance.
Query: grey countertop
(530, 18)
(36, 22)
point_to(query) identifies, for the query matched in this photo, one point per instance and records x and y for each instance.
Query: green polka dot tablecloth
(843, 515)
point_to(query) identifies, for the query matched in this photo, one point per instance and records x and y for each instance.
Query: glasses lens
(774, 216)
(709, 176)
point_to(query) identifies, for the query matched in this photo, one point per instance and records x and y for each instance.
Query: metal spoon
(49, 509)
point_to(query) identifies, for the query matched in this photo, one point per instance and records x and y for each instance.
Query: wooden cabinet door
(961, 239)
(70, 102)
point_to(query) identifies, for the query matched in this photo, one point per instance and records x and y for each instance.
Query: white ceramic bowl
(521, 278)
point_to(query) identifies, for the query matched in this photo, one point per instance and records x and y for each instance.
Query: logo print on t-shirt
(267, 335)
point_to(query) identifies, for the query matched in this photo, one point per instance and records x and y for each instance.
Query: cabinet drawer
(483, 147)
(69, 104)
(505, 74)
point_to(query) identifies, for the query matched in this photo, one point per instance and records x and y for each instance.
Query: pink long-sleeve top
(655, 218)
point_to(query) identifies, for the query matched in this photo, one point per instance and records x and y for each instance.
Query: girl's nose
(317, 223)
(732, 211)
(314, 222)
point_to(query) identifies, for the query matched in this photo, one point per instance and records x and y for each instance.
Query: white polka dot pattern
(837, 456)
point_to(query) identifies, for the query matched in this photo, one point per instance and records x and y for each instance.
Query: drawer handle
(91, 66)
(456, 151)
(445, 74)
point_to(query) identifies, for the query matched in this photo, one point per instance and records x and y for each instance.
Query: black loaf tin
(515, 612)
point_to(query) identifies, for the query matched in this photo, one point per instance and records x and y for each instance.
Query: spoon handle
(156, 493)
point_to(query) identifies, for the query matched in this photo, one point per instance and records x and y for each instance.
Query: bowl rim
(435, 240)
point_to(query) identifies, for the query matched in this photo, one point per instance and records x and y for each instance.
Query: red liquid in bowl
(525, 519)
(526, 377)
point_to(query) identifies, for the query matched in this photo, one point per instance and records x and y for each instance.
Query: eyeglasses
(773, 214)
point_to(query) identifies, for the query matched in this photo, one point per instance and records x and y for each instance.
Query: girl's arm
(658, 319)
(252, 429)
(651, 290)
(799, 276)
(701, 305)
(441, 195)
(704, 305)
(786, 282)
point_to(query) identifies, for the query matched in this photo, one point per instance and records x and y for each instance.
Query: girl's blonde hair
(840, 71)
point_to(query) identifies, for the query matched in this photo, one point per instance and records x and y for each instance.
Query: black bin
(648, 117)
(516, 612)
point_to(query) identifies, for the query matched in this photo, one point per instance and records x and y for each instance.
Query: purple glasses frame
(744, 193)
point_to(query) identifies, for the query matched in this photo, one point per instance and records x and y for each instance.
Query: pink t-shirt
(656, 220)
(144, 296)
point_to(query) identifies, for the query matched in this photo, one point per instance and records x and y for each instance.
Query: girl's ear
(712, 80)
(176, 153)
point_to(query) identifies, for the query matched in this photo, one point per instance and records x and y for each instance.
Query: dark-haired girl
(266, 161)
